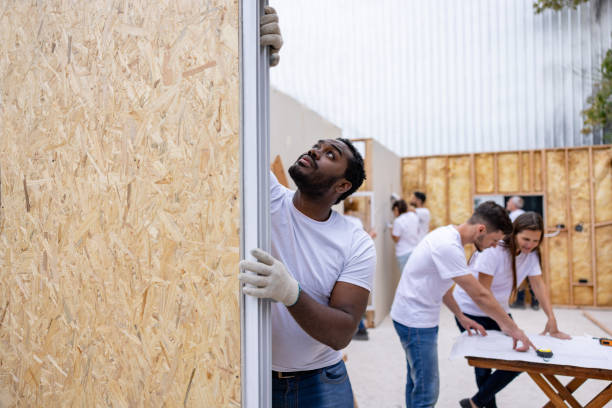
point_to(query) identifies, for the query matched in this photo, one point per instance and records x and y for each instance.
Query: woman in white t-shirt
(405, 232)
(502, 269)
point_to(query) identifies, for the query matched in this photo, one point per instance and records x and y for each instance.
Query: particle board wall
(576, 185)
(119, 192)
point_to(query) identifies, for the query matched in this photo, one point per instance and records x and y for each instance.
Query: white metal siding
(444, 76)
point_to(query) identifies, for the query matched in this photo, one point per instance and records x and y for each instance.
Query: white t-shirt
(514, 214)
(427, 276)
(424, 217)
(406, 227)
(497, 263)
(317, 254)
(354, 220)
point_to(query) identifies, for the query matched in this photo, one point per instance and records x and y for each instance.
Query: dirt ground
(377, 367)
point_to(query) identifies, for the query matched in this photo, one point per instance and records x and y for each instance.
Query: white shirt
(354, 220)
(427, 276)
(514, 214)
(317, 254)
(406, 227)
(424, 217)
(497, 263)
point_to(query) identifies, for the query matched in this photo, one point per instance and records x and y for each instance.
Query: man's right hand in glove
(272, 281)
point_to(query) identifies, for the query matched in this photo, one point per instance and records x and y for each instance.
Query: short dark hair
(401, 206)
(493, 216)
(355, 172)
(421, 196)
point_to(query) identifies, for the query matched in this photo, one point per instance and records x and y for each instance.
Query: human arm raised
(539, 289)
(333, 324)
(485, 300)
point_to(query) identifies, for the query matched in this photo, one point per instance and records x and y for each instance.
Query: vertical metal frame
(255, 325)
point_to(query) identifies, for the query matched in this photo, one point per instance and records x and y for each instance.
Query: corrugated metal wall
(445, 76)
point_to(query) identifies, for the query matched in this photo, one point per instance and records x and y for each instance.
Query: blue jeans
(329, 388)
(423, 378)
(489, 382)
(401, 261)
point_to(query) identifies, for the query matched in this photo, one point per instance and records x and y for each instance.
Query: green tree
(541, 5)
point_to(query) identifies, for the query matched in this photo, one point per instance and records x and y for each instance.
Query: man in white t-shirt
(405, 232)
(417, 200)
(515, 207)
(435, 264)
(320, 272)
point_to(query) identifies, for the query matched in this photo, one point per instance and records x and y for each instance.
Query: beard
(478, 242)
(311, 185)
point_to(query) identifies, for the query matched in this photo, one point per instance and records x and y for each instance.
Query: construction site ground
(377, 367)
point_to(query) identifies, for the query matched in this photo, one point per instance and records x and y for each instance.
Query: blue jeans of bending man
(401, 261)
(326, 388)
(489, 382)
(423, 378)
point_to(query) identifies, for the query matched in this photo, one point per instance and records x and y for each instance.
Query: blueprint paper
(580, 351)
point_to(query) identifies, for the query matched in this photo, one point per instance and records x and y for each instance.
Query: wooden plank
(592, 220)
(562, 391)
(279, 171)
(550, 393)
(437, 180)
(603, 240)
(447, 190)
(539, 170)
(570, 229)
(602, 174)
(559, 279)
(412, 177)
(496, 173)
(552, 369)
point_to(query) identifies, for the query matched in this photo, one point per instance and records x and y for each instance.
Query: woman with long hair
(502, 269)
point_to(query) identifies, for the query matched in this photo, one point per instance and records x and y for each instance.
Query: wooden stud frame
(532, 187)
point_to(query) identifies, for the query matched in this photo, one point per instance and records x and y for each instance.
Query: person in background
(502, 269)
(351, 210)
(515, 208)
(405, 232)
(436, 263)
(417, 200)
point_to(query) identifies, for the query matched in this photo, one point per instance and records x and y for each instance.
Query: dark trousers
(489, 382)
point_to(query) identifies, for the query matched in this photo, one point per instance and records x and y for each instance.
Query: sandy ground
(378, 373)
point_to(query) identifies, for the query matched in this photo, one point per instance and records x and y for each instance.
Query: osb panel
(558, 272)
(537, 172)
(556, 189)
(459, 189)
(119, 178)
(436, 182)
(582, 254)
(602, 172)
(603, 238)
(527, 167)
(583, 296)
(508, 170)
(368, 165)
(580, 194)
(580, 207)
(279, 171)
(485, 177)
(412, 176)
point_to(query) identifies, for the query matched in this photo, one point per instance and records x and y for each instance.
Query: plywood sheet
(558, 273)
(556, 189)
(485, 176)
(459, 188)
(369, 166)
(413, 175)
(602, 173)
(580, 210)
(279, 171)
(526, 167)
(603, 238)
(583, 296)
(436, 185)
(120, 123)
(508, 170)
(537, 172)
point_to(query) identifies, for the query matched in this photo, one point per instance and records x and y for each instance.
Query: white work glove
(272, 280)
(270, 34)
